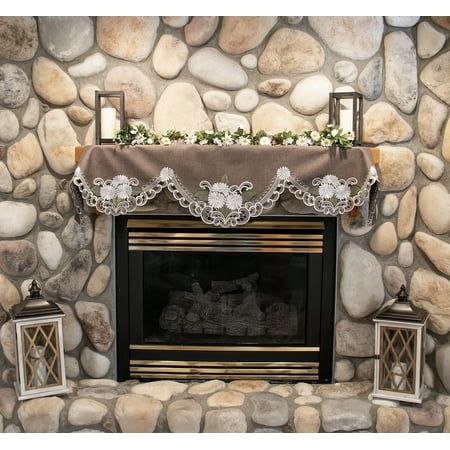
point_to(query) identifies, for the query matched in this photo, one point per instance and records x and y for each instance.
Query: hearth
(197, 302)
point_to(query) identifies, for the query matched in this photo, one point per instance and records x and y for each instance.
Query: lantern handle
(34, 289)
(402, 294)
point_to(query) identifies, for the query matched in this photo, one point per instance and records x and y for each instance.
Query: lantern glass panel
(42, 366)
(398, 359)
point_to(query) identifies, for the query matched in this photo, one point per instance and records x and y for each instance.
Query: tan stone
(8, 342)
(25, 157)
(175, 21)
(85, 411)
(137, 413)
(87, 95)
(243, 33)
(275, 87)
(429, 414)
(306, 420)
(228, 420)
(429, 40)
(283, 390)
(446, 142)
(434, 207)
(184, 416)
(161, 390)
(407, 213)
(344, 390)
(102, 237)
(436, 76)
(308, 400)
(8, 400)
(446, 420)
(99, 280)
(247, 386)
(430, 119)
(170, 56)
(291, 52)
(437, 251)
(443, 21)
(384, 240)
(392, 420)
(79, 115)
(396, 168)
(200, 30)
(431, 292)
(226, 399)
(9, 295)
(208, 387)
(19, 38)
(430, 165)
(41, 415)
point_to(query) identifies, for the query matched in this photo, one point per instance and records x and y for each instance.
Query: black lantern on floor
(346, 112)
(400, 333)
(105, 116)
(39, 346)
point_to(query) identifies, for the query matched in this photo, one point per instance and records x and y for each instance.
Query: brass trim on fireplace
(221, 348)
(145, 362)
(224, 370)
(205, 376)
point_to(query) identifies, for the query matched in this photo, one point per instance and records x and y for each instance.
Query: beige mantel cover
(225, 186)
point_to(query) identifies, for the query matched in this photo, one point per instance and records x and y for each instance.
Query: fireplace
(197, 302)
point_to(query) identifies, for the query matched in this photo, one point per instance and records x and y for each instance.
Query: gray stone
(370, 80)
(99, 280)
(94, 364)
(200, 30)
(291, 52)
(355, 339)
(161, 390)
(184, 416)
(225, 399)
(275, 87)
(303, 389)
(9, 295)
(428, 415)
(8, 400)
(402, 21)
(217, 100)
(8, 342)
(430, 344)
(127, 37)
(306, 420)
(137, 87)
(64, 204)
(405, 254)
(443, 365)
(407, 213)
(14, 86)
(87, 95)
(9, 126)
(25, 189)
(214, 68)
(66, 38)
(344, 390)
(208, 387)
(431, 117)
(436, 76)
(50, 249)
(91, 65)
(41, 415)
(428, 376)
(240, 34)
(12, 428)
(437, 251)
(6, 183)
(16, 219)
(51, 219)
(269, 409)
(58, 140)
(346, 415)
(429, 40)
(382, 123)
(389, 205)
(308, 400)
(430, 165)
(180, 107)
(249, 61)
(102, 237)
(384, 240)
(292, 20)
(19, 38)
(78, 235)
(225, 421)
(137, 413)
(311, 94)
(443, 400)
(17, 258)
(170, 56)
(30, 117)
(392, 420)
(47, 191)
(85, 411)
(354, 37)
(231, 122)
(246, 100)
(396, 168)
(431, 292)
(9, 375)
(344, 370)
(95, 320)
(72, 332)
(72, 367)
(25, 157)
(79, 115)
(434, 207)
(356, 223)
(283, 390)
(361, 286)
(364, 370)
(248, 386)
(345, 71)
(68, 284)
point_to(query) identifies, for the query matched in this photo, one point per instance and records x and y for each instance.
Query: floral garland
(329, 137)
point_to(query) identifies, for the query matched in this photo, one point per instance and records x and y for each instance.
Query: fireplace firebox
(200, 302)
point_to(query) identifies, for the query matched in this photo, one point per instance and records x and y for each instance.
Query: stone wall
(260, 72)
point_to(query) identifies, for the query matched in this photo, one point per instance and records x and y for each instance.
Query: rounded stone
(8, 400)
(446, 142)
(208, 387)
(99, 280)
(437, 251)
(364, 370)
(85, 411)
(389, 205)
(269, 409)
(79, 115)
(291, 52)
(346, 415)
(72, 367)
(72, 332)
(436, 76)
(303, 389)
(392, 420)
(217, 100)
(51, 219)
(9, 126)
(127, 37)
(274, 118)
(16, 219)
(292, 20)
(137, 413)
(91, 65)
(47, 190)
(231, 122)
(228, 420)
(308, 400)
(355, 339)
(442, 21)
(429, 40)
(66, 38)
(275, 87)
(14, 86)
(78, 235)
(321, 121)
(446, 428)
(137, 87)
(402, 21)
(306, 420)
(283, 390)
(214, 68)
(407, 213)
(170, 56)
(396, 168)
(64, 203)
(430, 344)
(8, 342)
(248, 386)
(161, 390)
(41, 415)
(19, 38)
(180, 108)
(25, 189)
(434, 207)
(370, 80)
(344, 370)
(249, 61)
(200, 30)
(443, 365)
(311, 94)
(393, 278)
(175, 21)
(102, 237)
(384, 240)
(30, 117)
(87, 95)
(226, 399)
(184, 416)
(428, 415)
(243, 33)
(94, 364)
(246, 100)
(9, 295)
(356, 224)
(50, 249)
(25, 156)
(354, 37)
(345, 71)
(6, 183)
(430, 165)
(405, 254)
(430, 119)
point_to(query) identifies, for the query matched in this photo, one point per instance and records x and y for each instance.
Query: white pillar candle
(108, 122)
(346, 120)
(41, 371)
(398, 382)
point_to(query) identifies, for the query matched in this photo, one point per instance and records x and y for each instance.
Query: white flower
(203, 142)
(342, 191)
(350, 135)
(220, 187)
(283, 173)
(244, 141)
(150, 141)
(108, 192)
(228, 140)
(234, 201)
(120, 179)
(218, 142)
(326, 190)
(303, 140)
(216, 200)
(209, 132)
(191, 139)
(166, 173)
(326, 142)
(330, 179)
(165, 140)
(288, 141)
(133, 130)
(315, 135)
(334, 132)
(124, 191)
(265, 140)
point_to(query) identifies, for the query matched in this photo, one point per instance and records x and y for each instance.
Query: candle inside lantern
(398, 380)
(108, 123)
(346, 120)
(40, 374)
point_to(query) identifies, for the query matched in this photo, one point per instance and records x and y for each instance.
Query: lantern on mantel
(39, 346)
(400, 333)
(106, 123)
(346, 111)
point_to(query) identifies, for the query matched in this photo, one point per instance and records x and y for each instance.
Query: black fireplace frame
(325, 331)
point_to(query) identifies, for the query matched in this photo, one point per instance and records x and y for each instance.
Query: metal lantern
(105, 117)
(400, 333)
(346, 111)
(39, 346)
